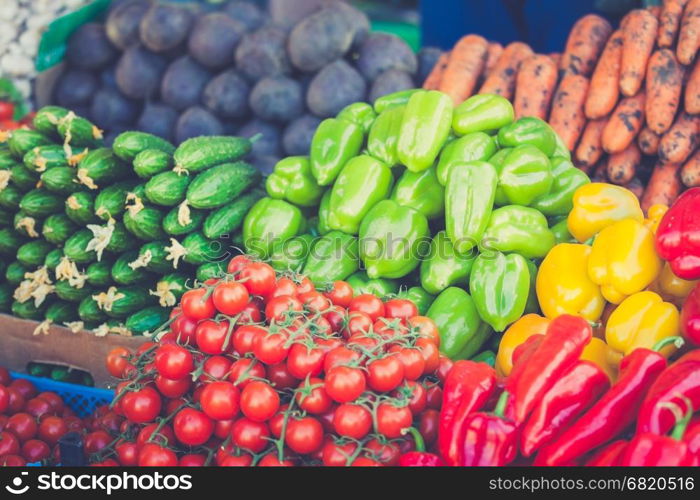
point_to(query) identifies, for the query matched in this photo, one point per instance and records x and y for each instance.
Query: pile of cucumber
(108, 239)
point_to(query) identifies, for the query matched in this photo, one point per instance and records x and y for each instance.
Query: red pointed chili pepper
(559, 350)
(489, 438)
(612, 413)
(570, 396)
(678, 384)
(692, 437)
(419, 457)
(652, 450)
(609, 455)
(523, 352)
(467, 388)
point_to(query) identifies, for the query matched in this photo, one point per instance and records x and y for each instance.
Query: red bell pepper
(678, 235)
(570, 396)
(419, 457)
(690, 316)
(558, 351)
(678, 385)
(612, 413)
(489, 438)
(467, 388)
(608, 456)
(692, 437)
(653, 450)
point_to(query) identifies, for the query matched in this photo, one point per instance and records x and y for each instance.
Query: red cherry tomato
(385, 374)
(338, 453)
(220, 400)
(353, 421)
(230, 297)
(215, 368)
(341, 294)
(237, 264)
(368, 304)
(259, 401)
(117, 362)
(312, 396)
(393, 420)
(174, 361)
(400, 308)
(245, 370)
(244, 338)
(192, 427)
(250, 435)
(304, 435)
(197, 304)
(259, 278)
(213, 337)
(154, 455)
(142, 405)
(22, 425)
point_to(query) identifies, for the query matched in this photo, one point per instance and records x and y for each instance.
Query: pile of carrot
(625, 101)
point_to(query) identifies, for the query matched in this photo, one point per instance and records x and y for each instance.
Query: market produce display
(33, 422)
(624, 101)
(108, 239)
(180, 71)
(260, 368)
(480, 201)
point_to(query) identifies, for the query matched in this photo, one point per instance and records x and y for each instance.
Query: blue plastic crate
(81, 399)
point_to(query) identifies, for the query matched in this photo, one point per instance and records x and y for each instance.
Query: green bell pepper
(426, 124)
(384, 135)
(333, 145)
(482, 113)
(443, 267)
(291, 255)
(421, 298)
(567, 179)
(323, 227)
(469, 196)
(529, 130)
(488, 357)
(476, 343)
(473, 147)
(269, 223)
(457, 319)
(391, 239)
(359, 113)
(380, 287)
(532, 305)
(394, 99)
(560, 229)
(334, 256)
(420, 191)
(497, 161)
(500, 285)
(518, 229)
(362, 183)
(526, 174)
(292, 180)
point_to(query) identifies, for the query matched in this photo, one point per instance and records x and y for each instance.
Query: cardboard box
(83, 350)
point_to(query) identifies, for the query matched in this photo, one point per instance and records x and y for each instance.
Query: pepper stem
(417, 438)
(675, 340)
(501, 404)
(682, 420)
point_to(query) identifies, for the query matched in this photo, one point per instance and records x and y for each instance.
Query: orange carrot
(639, 35)
(689, 35)
(535, 85)
(567, 118)
(636, 186)
(622, 167)
(669, 21)
(589, 148)
(692, 91)
(624, 124)
(435, 76)
(501, 79)
(664, 84)
(604, 89)
(586, 40)
(466, 63)
(600, 172)
(495, 50)
(690, 172)
(663, 187)
(648, 141)
(655, 10)
(556, 57)
(681, 139)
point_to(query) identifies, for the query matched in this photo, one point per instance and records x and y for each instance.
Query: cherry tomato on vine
(353, 421)
(434, 397)
(212, 336)
(303, 361)
(215, 368)
(368, 304)
(250, 435)
(418, 396)
(304, 435)
(279, 376)
(411, 359)
(444, 367)
(272, 348)
(153, 455)
(230, 297)
(426, 327)
(245, 370)
(127, 453)
(197, 304)
(192, 427)
(22, 425)
(173, 361)
(428, 425)
(312, 397)
(315, 302)
(173, 388)
(244, 338)
(400, 308)
(338, 453)
(259, 401)
(277, 307)
(393, 420)
(142, 405)
(344, 384)
(385, 452)
(164, 436)
(385, 374)
(51, 429)
(192, 460)
(24, 387)
(259, 278)
(96, 441)
(237, 264)
(336, 317)
(220, 400)
(272, 460)
(117, 362)
(357, 323)
(430, 354)
(340, 294)
(284, 287)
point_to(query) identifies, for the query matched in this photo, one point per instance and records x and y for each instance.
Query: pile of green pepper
(450, 207)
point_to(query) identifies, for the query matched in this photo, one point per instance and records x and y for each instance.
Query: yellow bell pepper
(671, 287)
(601, 354)
(623, 260)
(516, 334)
(642, 320)
(563, 285)
(654, 216)
(598, 205)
